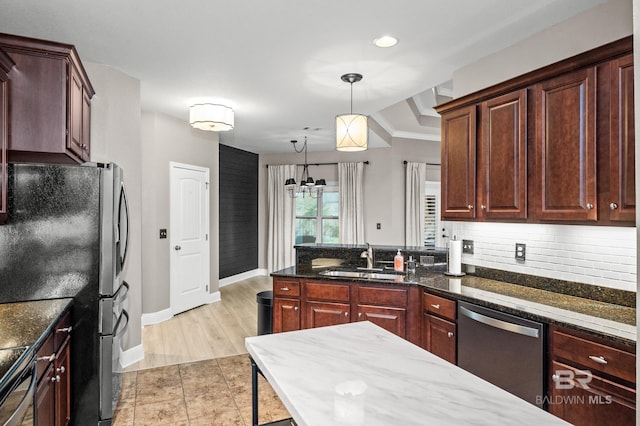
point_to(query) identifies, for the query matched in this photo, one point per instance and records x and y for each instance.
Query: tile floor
(211, 392)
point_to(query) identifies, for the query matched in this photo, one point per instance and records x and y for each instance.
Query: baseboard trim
(131, 356)
(213, 297)
(156, 317)
(243, 276)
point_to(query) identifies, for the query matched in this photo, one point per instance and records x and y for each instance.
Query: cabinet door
(596, 402)
(63, 384)
(565, 147)
(286, 315)
(459, 163)
(320, 314)
(45, 398)
(391, 319)
(76, 103)
(86, 126)
(622, 149)
(502, 157)
(440, 337)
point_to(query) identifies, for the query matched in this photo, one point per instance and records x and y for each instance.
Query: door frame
(174, 225)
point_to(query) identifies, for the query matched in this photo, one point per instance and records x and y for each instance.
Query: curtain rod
(428, 164)
(317, 164)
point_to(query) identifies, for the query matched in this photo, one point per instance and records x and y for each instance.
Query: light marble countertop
(361, 374)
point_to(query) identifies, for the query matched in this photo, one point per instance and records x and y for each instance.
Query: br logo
(568, 379)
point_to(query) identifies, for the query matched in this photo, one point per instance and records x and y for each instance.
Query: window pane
(430, 220)
(305, 231)
(306, 206)
(330, 204)
(330, 230)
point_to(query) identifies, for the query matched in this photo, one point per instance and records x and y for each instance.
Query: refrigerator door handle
(121, 293)
(124, 203)
(117, 331)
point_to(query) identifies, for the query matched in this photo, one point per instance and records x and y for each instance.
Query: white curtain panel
(351, 203)
(416, 174)
(281, 219)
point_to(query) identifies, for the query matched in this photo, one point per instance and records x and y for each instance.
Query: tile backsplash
(598, 255)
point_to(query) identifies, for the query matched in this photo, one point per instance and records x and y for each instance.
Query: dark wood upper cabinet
(458, 161)
(49, 102)
(622, 203)
(6, 64)
(565, 145)
(502, 154)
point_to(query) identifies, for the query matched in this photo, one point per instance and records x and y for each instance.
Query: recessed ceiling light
(385, 41)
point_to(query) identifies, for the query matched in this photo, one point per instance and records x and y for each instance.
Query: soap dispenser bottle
(398, 262)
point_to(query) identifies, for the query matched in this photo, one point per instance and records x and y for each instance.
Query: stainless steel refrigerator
(67, 236)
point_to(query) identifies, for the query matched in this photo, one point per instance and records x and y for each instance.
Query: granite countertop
(608, 320)
(342, 375)
(23, 327)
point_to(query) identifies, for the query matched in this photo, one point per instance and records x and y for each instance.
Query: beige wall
(597, 26)
(115, 137)
(166, 139)
(383, 186)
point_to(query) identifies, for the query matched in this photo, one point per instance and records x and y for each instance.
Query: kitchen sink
(363, 275)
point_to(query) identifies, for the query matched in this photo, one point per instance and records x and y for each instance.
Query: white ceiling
(278, 62)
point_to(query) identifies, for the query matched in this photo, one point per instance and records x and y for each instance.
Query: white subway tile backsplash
(598, 255)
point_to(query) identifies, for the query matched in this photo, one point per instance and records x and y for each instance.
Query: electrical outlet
(163, 234)
(378, 226)
(521, 251)
(467, 246)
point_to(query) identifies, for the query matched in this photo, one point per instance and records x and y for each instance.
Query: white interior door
(189, 236)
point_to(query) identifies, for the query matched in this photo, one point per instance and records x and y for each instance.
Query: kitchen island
(361, 374)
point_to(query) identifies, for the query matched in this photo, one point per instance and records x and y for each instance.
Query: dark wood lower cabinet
(440, 337)
(45, 399)
(321, 314)
(286, 315)
(62, 372)
(389, 318)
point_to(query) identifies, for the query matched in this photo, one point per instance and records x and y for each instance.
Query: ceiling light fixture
(307, 185)
(352, 132)
(213, 117)
(385, 41)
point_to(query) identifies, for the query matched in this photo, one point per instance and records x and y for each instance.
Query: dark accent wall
(238, 211)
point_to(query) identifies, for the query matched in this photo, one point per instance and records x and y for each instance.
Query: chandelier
(308, 187)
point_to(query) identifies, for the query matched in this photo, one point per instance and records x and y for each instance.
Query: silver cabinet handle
(61, 370)
(49, 358)
(589, 206)
(598, 359)
(435, 306)
(177, 248)
(470, 207)
(503, 325)
(285, 289)
(64, 330)
(449, 334)
(613, 206)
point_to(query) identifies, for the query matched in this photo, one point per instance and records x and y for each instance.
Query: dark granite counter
(609, 320)
(23, 328)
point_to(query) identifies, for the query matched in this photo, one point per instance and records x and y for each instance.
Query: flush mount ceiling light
(213, 117)
(385, 41)
(352, 132)
(307, 185)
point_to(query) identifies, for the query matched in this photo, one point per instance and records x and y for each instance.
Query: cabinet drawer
(61, 331)
(322, 291)
(594, 356)
(287, 288)
(385, 296)
(440, 306)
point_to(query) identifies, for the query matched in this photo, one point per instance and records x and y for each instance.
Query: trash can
(265, 312)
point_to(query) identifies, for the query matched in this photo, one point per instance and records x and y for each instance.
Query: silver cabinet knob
(613, 206)
(483, 207)
(589, 206)
(555, 377)
(55, 379)
(359, 314)
(61, 370)
(295, 308)
(470, 207)
(177, 248)
(346, 314)
(450, 334)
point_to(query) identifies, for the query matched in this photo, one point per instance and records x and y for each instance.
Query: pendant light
(352, 132)
(308, 187)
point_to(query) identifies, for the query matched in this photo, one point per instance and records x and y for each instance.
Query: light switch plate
(521, 251)
(467, 246)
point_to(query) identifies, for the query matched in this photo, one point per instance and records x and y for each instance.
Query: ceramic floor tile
(123, 416)
(161, 413)
(225, 418)
(201, 387)
(209, 405)
(159, 377)
(152, 394)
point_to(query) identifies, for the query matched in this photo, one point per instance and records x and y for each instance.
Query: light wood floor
(211, 331)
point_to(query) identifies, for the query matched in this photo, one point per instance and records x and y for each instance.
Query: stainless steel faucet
(368, 254)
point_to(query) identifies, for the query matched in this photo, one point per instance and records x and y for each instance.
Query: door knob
(177, 248)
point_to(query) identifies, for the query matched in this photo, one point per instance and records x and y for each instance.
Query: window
(432, 236)
(317, 218)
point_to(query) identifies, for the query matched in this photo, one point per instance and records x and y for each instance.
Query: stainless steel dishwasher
(503, 349)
